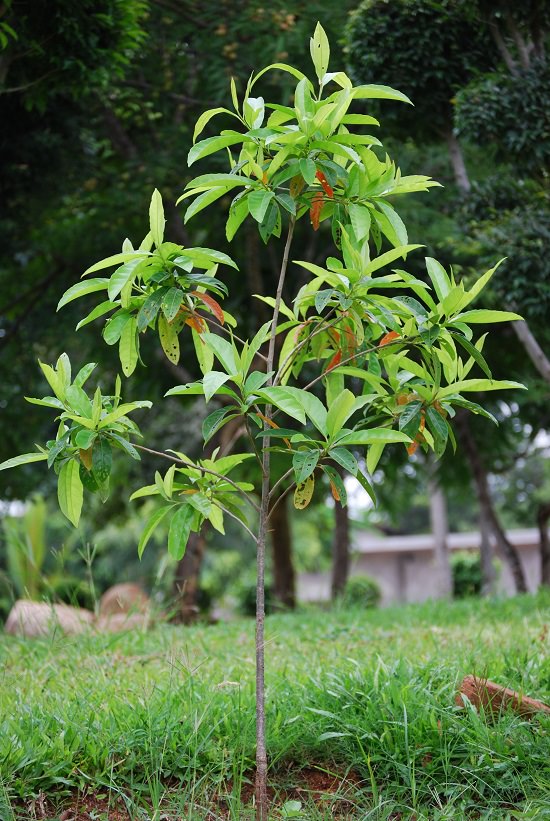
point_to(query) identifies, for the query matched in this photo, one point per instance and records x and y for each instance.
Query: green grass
(165, 721)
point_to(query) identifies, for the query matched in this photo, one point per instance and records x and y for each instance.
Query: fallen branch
(494, 698)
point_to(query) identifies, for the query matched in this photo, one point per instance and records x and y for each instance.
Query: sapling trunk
(261, 752)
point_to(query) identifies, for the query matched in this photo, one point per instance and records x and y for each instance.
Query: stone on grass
(33, 619)
(124, 598)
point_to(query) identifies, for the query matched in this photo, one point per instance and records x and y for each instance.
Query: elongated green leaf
(114, 327)
(191, 389)
(337, 487)
(320, 51)
(362, 479)
(224, 351)
(116, 259)
(169, 339)
(24, 459)
(79, 401)
(345, 458)
(205, 118)
(46, 402)
(123, 410)
(203, 201)
(373, 436)
(304, 463)
(485, 316)
(102, 460)
(211, 145)
(339, 411)
(360, 220)
(100, 310)
(212, 381)
(216, 420)
(378, 92)
(156, 218)
(70, 492)
(308, 169)
(150, 308)
(124, 444)
(180, 528)
(409, 419)
(479, 385)
(152, 522)
(439, 277)
(284, 399)
(128, 348)
(121, 277)
(84, 439)
(389, 256)
(90, 286)
(258, 202)
(171, 303)
(237, 215)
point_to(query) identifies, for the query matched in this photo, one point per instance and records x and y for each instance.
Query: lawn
(361, 714)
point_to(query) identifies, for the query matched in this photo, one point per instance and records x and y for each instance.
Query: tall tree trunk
(340, 550)
(457, 161)
(284, 576)
(543, 515)
(533, 349)
(479, 472)
(440, 532)
(186, 579)
(486, 556)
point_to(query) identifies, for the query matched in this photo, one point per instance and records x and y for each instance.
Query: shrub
(362, 591)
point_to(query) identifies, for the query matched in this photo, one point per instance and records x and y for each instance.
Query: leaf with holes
(304, 492)
(169, 339)
(304, 463)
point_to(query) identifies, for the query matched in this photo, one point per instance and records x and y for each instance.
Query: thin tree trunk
(479, 472)
(186, 580)
(284, 576)
(486, 556)
(340, 550)
(543, 515)
(533, 349)
(260, 787)
(457, 161)
(440, 532)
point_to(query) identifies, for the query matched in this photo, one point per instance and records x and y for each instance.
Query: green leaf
(479, 385)
(439, 277)
(360, 220)
(100, 310)
(79, 401)
(171, 303)
(481, 315)
(116, 259)
(378, 92)
(237, 215)
(84, 439)
(156, 218)
(362, 479)
(308, 170)
(389, 256)
(214, 421)
(90, 286)
(320, 51)
(70, 492)
(24, 459)
(114, 327)
(152, 523)
(205, 118)
(150, 308)
(339, 411)
(169, 339)
(46, 402)
(344, 458)
(102, 460)
(337, 486)
(125, 445)
(212, 381)
(203, 201)
(409, 419)
(225, 352)
(123, 410)
(128, 348)
(476, 354)
(258, 202)
(285, 400)
(304, 463)
(373, 436)
(84, 374)
(180, 528)
(373, 456)
(211, 145)
(439, 429)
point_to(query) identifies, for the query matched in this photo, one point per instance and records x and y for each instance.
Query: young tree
(386, 358)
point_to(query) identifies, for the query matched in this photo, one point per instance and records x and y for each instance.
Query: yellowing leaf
(304, 492)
